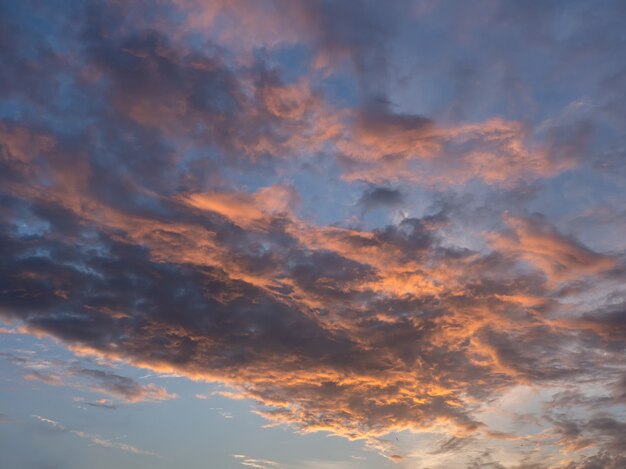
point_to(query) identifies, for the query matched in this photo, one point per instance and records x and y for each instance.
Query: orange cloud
(386, 146)
(561, 258)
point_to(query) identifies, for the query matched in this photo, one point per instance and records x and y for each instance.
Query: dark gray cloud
(601, 460)
(380, 197)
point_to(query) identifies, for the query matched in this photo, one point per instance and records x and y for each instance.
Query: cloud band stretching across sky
(366, 219)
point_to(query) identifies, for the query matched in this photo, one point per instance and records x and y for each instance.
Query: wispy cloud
(61, 373)
(95, 439)
(255, 463)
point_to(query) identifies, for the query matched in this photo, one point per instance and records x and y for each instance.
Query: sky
(312, 234)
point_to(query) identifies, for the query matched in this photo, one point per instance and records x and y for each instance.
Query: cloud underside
(357, 333)
(122, 242)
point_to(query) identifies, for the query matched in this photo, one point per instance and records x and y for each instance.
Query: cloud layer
(166, 186)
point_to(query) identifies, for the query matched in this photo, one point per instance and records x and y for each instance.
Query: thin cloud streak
(95, 439)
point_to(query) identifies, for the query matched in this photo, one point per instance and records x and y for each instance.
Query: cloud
(451, 445)
(382, 145)
(60, 373)
(559, 257)
(579, 434)
(338, 35)
(601, 460)
(102, 404)
(247, 211)
(44, 378)
(96, 439)
(256, 463)
(166, 203)
(358, 333)
(380, 197)
(122, 387)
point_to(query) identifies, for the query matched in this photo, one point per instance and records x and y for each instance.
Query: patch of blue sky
(210, 427)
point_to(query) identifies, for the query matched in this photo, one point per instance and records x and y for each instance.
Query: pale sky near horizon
(312, 234)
